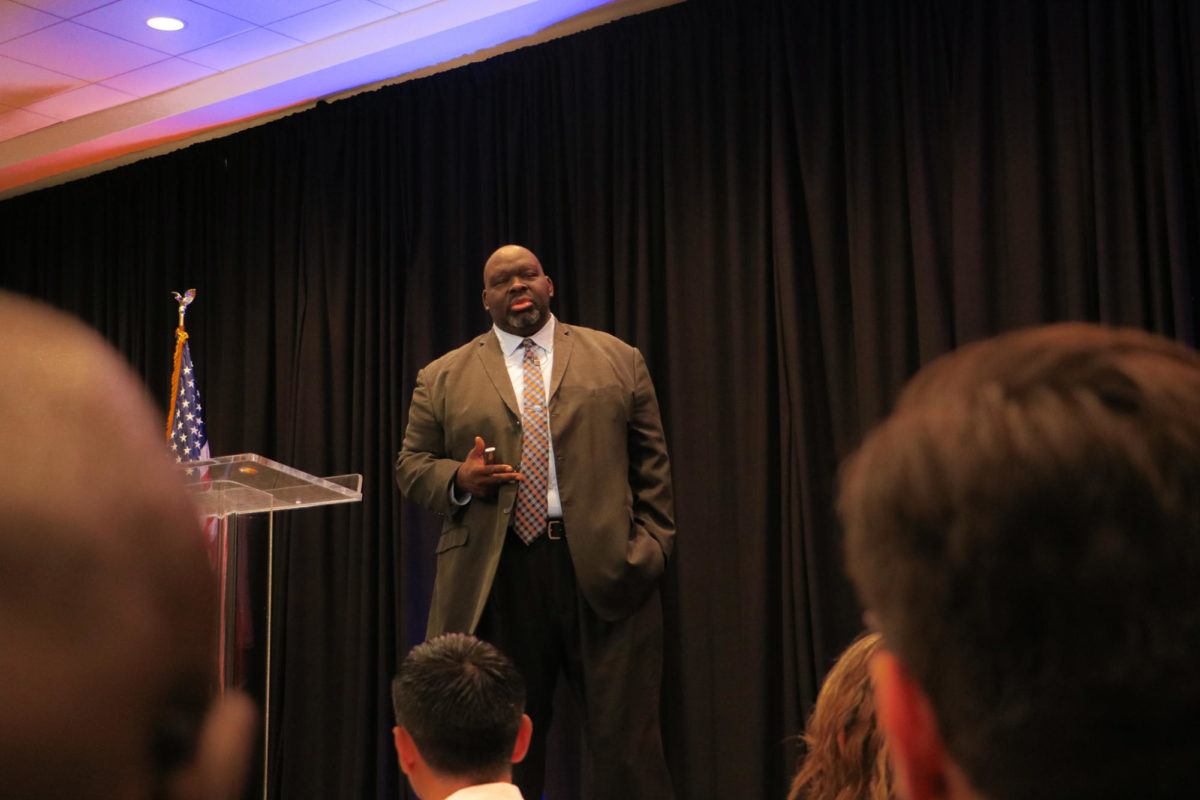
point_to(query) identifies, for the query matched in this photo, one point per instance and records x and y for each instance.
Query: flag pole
(221, 554)
(181, 336)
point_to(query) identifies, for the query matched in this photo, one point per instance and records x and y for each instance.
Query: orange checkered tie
(530, 515)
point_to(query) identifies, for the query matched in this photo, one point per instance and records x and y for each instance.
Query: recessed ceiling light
(165, 23)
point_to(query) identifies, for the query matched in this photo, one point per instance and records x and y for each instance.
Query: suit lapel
(488, 350)
(562, 354)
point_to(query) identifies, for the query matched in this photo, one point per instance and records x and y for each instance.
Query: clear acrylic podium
(227, 487)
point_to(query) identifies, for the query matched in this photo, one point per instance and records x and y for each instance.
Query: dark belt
(555, 530)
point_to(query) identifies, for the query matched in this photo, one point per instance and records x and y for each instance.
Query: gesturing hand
(480, 478)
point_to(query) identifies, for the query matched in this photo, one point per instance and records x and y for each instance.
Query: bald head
(516, 291)
(105, 595)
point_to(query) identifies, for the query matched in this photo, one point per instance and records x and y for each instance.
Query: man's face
(516, 292)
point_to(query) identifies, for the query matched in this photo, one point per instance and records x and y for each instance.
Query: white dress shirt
(488, 791)
(514, 359)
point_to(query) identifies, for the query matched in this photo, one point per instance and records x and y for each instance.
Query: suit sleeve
(649, 464)
(423, 472)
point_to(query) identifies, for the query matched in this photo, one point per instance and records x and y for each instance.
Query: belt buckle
(555, 529)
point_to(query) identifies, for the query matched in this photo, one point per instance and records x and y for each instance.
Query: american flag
(189, 442)
(187, 438)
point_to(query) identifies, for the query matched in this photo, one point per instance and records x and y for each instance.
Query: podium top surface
(248, 484)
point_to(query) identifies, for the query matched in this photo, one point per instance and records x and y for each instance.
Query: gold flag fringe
(180, 337)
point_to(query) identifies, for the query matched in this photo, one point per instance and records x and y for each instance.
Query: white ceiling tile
(332, 19)
(158, 77)
(242, 49)
(405, 5)
(82, 52)
(17, 122)
(80, 102)
(264, 12)
(66, 8)
(18, 20)
(25, 83)
(127, 19)
(51, 67)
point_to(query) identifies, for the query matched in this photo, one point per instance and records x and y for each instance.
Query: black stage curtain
(789, 206)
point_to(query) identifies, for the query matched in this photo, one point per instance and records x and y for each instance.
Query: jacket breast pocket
(455, 537)
(608, 402)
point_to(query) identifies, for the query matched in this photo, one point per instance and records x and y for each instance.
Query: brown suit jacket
(614, 476)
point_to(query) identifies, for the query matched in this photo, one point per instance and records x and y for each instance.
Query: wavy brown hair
(846, 755)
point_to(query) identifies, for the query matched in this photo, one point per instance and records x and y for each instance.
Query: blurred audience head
(846, 758)
(460, 717)
(106, 598)
(1024, 531)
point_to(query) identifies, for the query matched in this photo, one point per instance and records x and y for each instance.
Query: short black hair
(462, 701)
(1025, 531)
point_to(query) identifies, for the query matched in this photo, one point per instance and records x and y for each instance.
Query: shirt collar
(506, 790)
(544, 338)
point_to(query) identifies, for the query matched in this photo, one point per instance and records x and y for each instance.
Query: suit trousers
(537, 616)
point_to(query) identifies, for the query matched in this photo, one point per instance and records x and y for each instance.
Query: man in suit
(460, 721)
(1024, 530)
(558, 562)
(107, 602)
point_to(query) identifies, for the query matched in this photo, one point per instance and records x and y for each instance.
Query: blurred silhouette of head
(1024, 530)
(106, 599)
